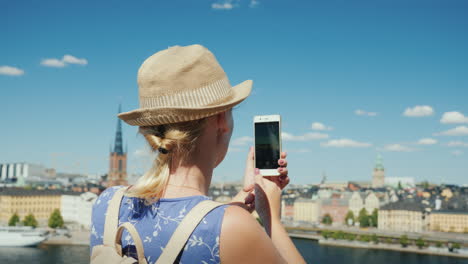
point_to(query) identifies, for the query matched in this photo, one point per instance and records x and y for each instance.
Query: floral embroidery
(156, 223)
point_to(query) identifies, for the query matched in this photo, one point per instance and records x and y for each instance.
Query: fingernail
(280, 169)
(281, 162)
(257, 171)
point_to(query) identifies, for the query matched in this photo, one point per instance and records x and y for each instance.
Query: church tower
(378, 176)
(118, 159)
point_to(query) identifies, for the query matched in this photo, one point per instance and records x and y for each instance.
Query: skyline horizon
(350, 80)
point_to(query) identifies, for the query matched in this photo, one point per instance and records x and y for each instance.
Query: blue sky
(404, 64)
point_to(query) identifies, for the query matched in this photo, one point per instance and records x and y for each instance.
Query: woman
(186, 116)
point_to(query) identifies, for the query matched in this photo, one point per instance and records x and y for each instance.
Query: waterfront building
(404, 182)
(334, 185)
(118, 159)
(287, 208)
(378, 176)
(336, 206)
(404, 216)
(356, 202)
(307, 210)
(361, 200)
(40, 203)
(371, 203)
(18, 172)
(77, 208)
(449, 221)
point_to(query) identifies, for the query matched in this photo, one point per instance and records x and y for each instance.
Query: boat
(21, 236)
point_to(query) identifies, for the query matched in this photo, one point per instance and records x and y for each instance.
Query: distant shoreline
(382, 246)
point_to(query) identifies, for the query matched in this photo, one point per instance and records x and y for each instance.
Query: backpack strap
(184, 230)
(112, 217)
(136, 239)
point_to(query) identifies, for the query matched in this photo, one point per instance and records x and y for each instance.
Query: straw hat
(182, 84)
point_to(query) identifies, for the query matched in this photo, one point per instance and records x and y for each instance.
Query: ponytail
(169, 140)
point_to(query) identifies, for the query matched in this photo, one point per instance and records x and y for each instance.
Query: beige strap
(112, 217)
(184, 230)
(136, 239)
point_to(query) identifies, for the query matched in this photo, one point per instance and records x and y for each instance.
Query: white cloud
(242, 141)
(418, 111)
(233, 149)
(457, 144)
(458, 131)
(320, 126)
(223, 5)
(306, 137)
(427, 141)
(360, 112)
(53, 63)
(254, 3)
(11, 71)
(457, 152)
(398, 148)
(60, 63)
(344, 143)
(74, 60)
(453, 118)
(303, 150)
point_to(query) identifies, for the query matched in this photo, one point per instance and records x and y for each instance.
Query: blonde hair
(170, 140)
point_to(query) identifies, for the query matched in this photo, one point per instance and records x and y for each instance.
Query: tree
(30, 220)
(456, 245)
(404, 241)
(375, 239)
(438, 244)
(420, 243)
(399, 185)
(425, 184)
(350, 237)
(326, 234)
(14, 219)
(327, 219)
(365, 238)
(349, 219)
(363, 218)
(55, 219)
(374, 218)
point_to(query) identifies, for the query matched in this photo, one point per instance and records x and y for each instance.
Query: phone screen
(267, 145)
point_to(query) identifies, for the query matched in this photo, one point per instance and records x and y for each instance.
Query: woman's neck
(188, 181)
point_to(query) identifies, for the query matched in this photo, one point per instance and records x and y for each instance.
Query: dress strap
(112, 217)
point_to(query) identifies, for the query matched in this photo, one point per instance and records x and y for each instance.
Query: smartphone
(267, 131)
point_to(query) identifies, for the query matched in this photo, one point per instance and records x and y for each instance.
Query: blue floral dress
(156, 223)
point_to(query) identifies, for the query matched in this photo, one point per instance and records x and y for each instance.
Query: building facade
(403, 216)
(306, 210)
(361, 200)
(356, 203)
(118, 160)
(449, 221)
(337, 207)
(40, 203)
(378, 176)
(17, 173)
(371, 203)
(77, 208)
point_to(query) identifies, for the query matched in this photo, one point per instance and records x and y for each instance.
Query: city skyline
(350, 82)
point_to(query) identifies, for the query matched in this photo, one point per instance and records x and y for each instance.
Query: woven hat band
(215, 92)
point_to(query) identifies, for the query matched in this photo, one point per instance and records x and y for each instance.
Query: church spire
(379, 163)
(118, 145)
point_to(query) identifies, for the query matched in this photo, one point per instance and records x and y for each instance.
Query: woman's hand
(246, 197)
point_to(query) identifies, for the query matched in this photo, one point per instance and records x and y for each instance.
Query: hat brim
(169, 115)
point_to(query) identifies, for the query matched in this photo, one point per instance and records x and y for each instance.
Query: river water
(311, 250)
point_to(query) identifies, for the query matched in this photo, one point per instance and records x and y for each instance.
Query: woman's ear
(222, 122)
